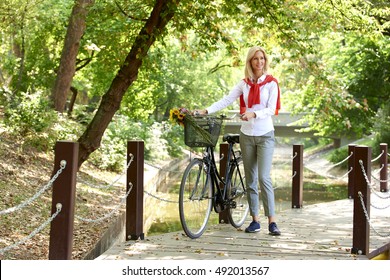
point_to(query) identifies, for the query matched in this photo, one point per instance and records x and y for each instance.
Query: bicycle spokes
(195, 199)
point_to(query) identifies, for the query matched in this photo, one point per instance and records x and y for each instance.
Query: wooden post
(361, 227)
(135, 200)
(383, 164)
(351, 175)
(223, 155)
(64, 190)
(297, 179)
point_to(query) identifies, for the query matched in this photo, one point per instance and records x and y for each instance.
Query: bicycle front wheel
(195, 199)
(239, 207)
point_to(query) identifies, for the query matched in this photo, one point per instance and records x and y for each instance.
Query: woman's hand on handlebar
(199, 112)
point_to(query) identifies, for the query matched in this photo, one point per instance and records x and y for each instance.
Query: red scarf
(254, 94)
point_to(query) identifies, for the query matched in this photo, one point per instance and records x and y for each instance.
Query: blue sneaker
(273, 229)
(253, 227)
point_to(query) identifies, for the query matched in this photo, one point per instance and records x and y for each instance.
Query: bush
(112, 153)
(174, 135)
(30, 115)
(338, 155)
(382, 129)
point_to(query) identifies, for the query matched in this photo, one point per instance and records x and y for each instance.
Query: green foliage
(347, 85)
(32, 42)
(338, 155)
(32, 120)
(176, 75)
(29, 115)
(157, 138)
(331, 58)
(382, 128)
(174, 135)
(112, 153)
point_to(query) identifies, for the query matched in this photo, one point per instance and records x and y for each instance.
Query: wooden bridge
(316, 232)
(323, 231)
(336, 230)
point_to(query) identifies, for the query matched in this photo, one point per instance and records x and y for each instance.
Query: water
(316, 189)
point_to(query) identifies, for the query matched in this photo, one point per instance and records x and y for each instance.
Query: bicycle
(202, 186)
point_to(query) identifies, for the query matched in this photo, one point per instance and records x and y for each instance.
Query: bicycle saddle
(231, 138)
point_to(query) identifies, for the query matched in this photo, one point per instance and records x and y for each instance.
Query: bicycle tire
(236, 192)
(195, 199)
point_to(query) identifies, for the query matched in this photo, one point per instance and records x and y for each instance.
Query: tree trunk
(72, 100)
(67, 66)
(161, 14)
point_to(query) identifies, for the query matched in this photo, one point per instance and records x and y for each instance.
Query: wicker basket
(201, 132)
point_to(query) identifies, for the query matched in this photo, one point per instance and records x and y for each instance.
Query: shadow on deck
(316, 232)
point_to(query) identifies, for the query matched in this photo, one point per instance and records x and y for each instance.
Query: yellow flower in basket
(177, 115)
(192, 127)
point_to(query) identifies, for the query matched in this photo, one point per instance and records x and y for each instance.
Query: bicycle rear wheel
(195, 199)
(239, 207)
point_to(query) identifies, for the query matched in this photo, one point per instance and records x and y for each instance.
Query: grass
(24, 171)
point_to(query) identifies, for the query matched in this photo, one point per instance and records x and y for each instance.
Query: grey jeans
(257, 153)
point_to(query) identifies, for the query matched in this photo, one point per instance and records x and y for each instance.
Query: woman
(259, 95)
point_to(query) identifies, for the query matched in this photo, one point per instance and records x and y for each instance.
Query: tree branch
(126, 14)
(85, 61)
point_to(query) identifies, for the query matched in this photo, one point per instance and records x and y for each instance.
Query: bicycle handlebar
(221, 116)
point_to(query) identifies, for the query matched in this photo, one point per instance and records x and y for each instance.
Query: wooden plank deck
(316, 232)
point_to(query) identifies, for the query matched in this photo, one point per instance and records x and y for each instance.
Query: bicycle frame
(215, 176)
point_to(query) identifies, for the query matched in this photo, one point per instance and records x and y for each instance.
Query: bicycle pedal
(219, 208)
(233, 204)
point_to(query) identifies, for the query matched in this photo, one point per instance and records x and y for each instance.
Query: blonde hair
(248, 67)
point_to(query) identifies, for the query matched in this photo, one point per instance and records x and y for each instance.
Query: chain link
(294, 156)
(35, 232)
(161, 168)
(368, 218)
(109, 214)
(295, 173)
(369, 183)
(378, 157)
(113, 182)
(37, 194)
(159, 198)
(379, 180)
(336, 164)
(288, 162)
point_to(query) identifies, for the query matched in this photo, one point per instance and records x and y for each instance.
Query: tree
(294, 32)
(344, 80)
(67, 67)
(154, 27)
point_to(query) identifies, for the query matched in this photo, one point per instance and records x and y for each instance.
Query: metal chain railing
(35, 232)
(288, 162)
(368, 218)
(161, 168)
(336, 164)
(113, 182)
(341, 177)
(123, 199)
(379, 180)
(369, 183)
(378, 157)
(111, 213)
(295, 174)
(341, 162)
(37, 194)
(159, 198)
